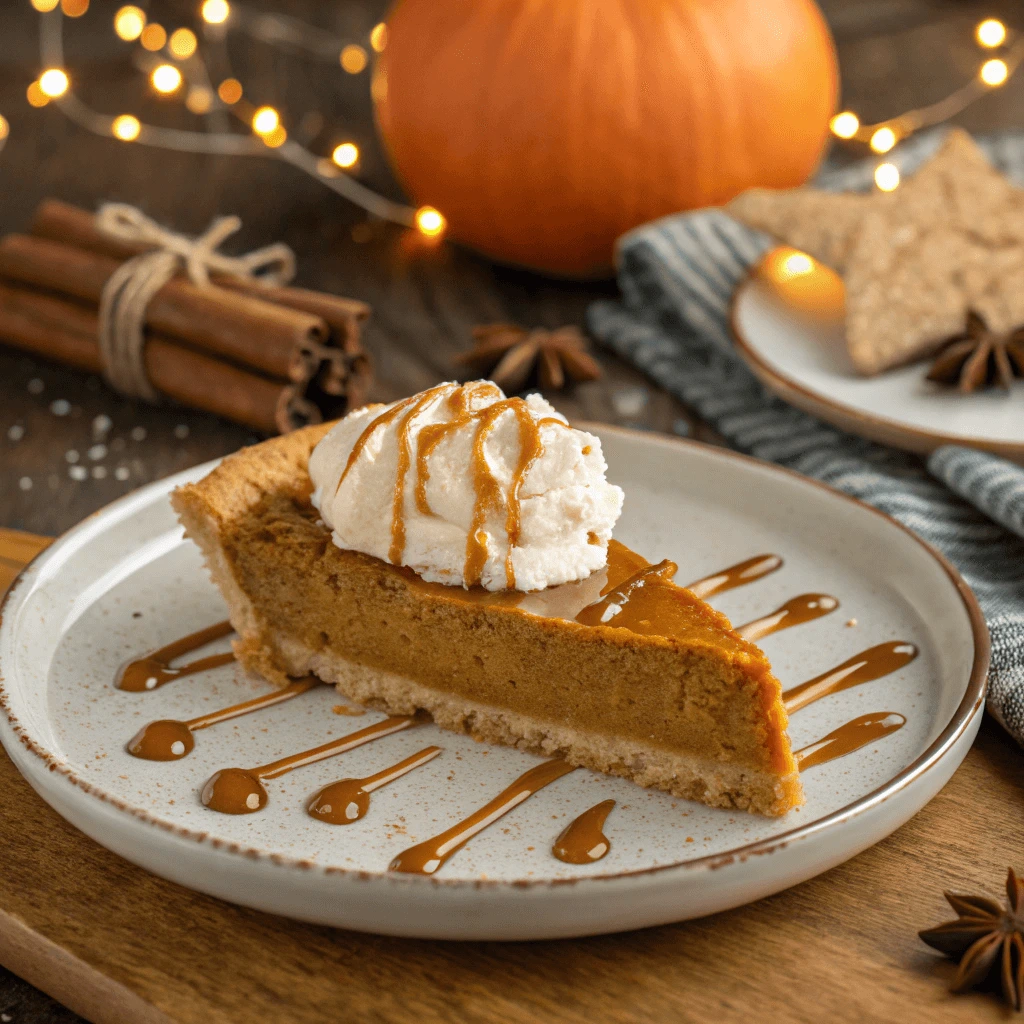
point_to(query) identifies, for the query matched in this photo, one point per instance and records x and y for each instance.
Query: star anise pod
(513, 355)
(986, 938)
(979, 356)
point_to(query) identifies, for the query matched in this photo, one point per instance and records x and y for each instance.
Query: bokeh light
(53, 83)
(353, 58)
(215, 12)
(990, 33)
(430, 222)
(166, 78)
(887, 177)
(126, 128)
(154, 37)
(346, 155)
(182, 43)
(845, 125)
(994, 72)
(129, 22)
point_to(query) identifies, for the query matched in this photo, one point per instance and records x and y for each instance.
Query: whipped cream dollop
(468, 487)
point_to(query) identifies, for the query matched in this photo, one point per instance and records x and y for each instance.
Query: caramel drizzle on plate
(797, 610)
(865, 667)
(348, 800)
(170, 740)
(738, 575)
(489, 496)
(241, 790)
(153, 670)
(426, 857)
(582, 841)
(849, 737)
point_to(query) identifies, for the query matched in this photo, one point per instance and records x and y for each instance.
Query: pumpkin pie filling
(621, 671)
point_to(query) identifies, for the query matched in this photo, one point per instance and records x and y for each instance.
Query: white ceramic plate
(803, 359)
(125, 581)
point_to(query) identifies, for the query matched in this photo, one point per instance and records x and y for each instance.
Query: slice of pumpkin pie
(452, 553)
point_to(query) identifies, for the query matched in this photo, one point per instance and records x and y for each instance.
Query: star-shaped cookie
(913, 261)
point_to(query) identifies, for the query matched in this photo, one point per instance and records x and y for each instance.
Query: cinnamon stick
(252, 332)
(71, 225)
(66, 331)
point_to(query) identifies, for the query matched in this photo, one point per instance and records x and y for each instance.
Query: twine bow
(128, 292)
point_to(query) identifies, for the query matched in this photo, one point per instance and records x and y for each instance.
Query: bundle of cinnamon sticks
(271, 358)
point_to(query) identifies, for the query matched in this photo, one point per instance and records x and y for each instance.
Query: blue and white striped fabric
(677, 276)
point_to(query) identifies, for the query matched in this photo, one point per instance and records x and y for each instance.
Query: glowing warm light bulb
(230, 91)
(215, 12)
(990, 33)
(346, 155)
(165, 78)
(887, 177)
(275, 138)
(994, 72)
(883, 140)
(199, 100)
(153, 37)
(845, 125)
(265, 121)
(430, 222)
(35, 95)
(182, 43)
(53, 83)
(126, 128)
(379, 37)
(353, 58)
(5, 128)
(44, 6)
(74, 8)
(129, 23)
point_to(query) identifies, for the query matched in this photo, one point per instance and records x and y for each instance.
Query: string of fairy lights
(177, 67)
(1005, 57)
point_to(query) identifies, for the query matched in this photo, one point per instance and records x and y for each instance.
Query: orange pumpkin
(544, 129)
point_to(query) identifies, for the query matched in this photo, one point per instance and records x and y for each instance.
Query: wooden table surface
(843, 945)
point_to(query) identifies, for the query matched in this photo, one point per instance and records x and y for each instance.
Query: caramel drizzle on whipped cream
(489, 496)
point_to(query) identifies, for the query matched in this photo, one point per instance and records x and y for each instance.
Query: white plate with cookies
(790, 328)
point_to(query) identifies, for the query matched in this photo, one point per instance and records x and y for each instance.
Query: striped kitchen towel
(677, 276)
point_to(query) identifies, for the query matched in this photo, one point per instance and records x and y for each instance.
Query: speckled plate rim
(962, 719)
(882, 429)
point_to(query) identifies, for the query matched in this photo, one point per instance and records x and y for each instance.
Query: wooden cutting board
(119, 945)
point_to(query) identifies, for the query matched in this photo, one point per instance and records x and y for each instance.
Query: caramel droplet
(582, 841)
(865, 667)
(234, 791)
(163, 740)
(168, 740)
(849, 737)
(425, 858)
(240, 791)
(154, 669)
(348, 800)
(797, 610)
(737, 575)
